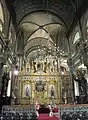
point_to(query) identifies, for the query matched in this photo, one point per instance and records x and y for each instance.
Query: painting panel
(27, 90)
(51, 92)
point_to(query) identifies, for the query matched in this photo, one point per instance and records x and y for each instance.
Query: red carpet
(47, 117)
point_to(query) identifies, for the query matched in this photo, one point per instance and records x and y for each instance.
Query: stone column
(17, 90)
(12, 84)
(70, 63)
(2, 62)
(20, 62)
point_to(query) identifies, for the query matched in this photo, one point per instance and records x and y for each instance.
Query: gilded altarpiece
(41, 85)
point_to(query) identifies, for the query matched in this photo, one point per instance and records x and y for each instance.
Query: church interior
(43, 59)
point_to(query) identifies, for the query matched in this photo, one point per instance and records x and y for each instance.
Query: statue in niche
(64, 95)
(27, 91)
(51, 69)
(39, 66)
(30, 65)
(34, 66)
(82, 85)
(52, 92)
(49, 66)
(45, 66)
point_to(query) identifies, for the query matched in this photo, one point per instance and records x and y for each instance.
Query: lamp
(16, 71)
(55, 63)
(62, 73)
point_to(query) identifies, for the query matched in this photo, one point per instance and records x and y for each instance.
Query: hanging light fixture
(55, 62)
(16, 70)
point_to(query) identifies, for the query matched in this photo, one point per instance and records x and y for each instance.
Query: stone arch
(6, 17)
(1, 13)
(84, 23)
(1, 18)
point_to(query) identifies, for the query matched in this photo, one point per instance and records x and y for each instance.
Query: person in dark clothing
(43, 109)
(5, 80)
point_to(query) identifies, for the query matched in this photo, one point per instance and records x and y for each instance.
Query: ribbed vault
(43, 22)
(40, 29)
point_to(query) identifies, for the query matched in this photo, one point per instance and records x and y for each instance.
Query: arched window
(75, 44)
(1, 26)
(1, 14)
(76, 37)
(1, 18)
(87, 28)
(10, 37)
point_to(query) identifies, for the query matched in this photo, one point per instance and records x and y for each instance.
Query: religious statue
(82, 84)
(34, 66)
(45, 66)
(52, 92)
(27, 91)
(39, 66)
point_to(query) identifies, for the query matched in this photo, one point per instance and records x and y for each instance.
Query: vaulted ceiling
(44, 22)
(66, 10)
